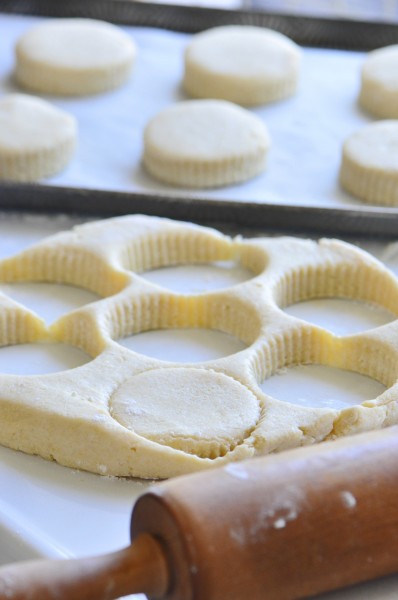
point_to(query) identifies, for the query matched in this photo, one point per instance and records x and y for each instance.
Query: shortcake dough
(205, 143)
(37, 140)
(243, 64)
(73, 57)
(127, 414)
(369, 166)
(379, 83)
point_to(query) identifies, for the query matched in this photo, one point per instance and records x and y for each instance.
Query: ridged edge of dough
(200, 174)
(377, 100)
(32, 166)
(201, 84)
(370, 185)
(37, 77)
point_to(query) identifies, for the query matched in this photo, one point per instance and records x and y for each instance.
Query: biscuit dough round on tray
(37, 140)
(73, 57)
(369, 167)
(379, 83)
(244, 64)
(205, 143)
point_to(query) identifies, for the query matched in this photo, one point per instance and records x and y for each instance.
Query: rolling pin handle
(139, 568)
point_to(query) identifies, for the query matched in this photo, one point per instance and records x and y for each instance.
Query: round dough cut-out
(37, 139)
(74, 57)
(369, 167)
(379, 83)
(243, 64)
(205, 143)
(194, 410)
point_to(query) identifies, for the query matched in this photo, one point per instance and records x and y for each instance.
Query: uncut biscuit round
(379, 83)
(243, 64)
(73, 57)
(37, 140)
(197, 411)
(369, 166)
(205, 143)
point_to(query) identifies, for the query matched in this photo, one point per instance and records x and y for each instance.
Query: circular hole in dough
(379, 83)
(73, 57)
(37, 140)
(319, 386)
(243, 64)
(48, 300)
(369, 166)
(194, 410)
(39, 359)
(342, 317)
(205, 143)
(184, 345)
(191, 279)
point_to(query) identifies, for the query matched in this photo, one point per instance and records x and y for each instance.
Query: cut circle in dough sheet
(73, 57)
(244, 64)
(379, 83)
(205, 143)
(194, 410)
(369, 165)
(37, 139)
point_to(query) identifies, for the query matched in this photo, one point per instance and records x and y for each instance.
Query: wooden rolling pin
(282, 527)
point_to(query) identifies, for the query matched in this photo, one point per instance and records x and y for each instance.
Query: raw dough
(369, 168)
(203, 412)
(379, 83)
(131, 415)
(37, 140)
(243, 64)
(205, 143)
(73, 57)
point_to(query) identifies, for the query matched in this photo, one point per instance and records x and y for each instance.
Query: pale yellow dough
(205, 143)
(127, 414)
(195, 410)
(379, 83)
(37, 140)
(243, 64)
(369, 166)
(73, 57)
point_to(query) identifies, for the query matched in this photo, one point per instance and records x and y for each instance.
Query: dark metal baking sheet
(306, 31)
(316, 32)
(368, 222)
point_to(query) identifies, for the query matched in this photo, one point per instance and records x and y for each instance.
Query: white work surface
(49, 510)
(307, 130)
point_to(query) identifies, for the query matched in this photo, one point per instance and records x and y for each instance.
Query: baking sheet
(49, 510)
(307, 130)
(307, 134)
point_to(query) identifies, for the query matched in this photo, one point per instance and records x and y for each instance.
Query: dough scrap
(205, 143)
(37, 140)
(243, 64)
(73, 57)
(369, 167)
(379, 83)
(126, 414)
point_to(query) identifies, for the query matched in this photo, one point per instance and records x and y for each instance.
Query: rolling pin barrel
(283, 527)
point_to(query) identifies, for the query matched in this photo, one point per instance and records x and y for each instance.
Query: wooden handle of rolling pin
(281, 527)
